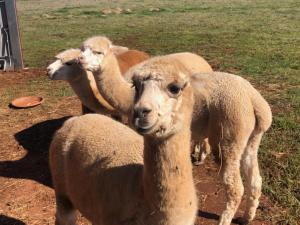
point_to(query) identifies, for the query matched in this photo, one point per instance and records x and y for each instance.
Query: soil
(26, 193)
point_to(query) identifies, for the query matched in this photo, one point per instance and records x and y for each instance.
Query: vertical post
(13, 34)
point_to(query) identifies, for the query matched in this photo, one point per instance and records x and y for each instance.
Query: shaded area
(36, 140)
(213, 216)
(6, 220)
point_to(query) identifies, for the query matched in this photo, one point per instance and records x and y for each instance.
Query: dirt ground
(26, 193)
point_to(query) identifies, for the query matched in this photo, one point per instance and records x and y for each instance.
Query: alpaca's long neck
(168, 180)
(82, 88)
(112, 85)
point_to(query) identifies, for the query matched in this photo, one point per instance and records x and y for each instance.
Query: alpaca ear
(117, 50)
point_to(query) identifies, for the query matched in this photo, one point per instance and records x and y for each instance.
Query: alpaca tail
(262, 111)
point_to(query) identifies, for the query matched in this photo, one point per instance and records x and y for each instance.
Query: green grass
(53, 92)
(256, 39)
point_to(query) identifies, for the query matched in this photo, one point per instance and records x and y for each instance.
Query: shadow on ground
(36, 140)
(213, 216)
(5, 220)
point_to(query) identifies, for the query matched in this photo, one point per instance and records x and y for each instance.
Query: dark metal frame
(11, 54)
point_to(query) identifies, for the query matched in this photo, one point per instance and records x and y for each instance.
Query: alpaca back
(227, 99)
(130, 58)
(193, 63)
(262, 110)
(96, 162)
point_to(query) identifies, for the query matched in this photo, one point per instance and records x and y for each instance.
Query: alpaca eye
(136, 86)
(133, 85)
(174, 89)
(98, 53)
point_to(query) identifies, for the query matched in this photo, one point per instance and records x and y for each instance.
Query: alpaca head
(94, 51)
(163, 99)
(66, 67)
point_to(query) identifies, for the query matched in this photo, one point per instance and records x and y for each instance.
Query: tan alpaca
(103, 174)
(66, 68)
(235, 117)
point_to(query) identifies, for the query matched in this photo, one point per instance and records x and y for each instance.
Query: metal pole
(14, 43)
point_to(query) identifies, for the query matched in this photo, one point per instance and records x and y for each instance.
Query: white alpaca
(67, 68)
(97, 163)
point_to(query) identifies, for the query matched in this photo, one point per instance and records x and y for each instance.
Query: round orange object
(27, 101)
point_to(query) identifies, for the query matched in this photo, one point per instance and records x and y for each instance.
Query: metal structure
(10, 46)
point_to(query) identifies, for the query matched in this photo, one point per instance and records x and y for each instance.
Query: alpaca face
(66, 67)
(93, 53)
(158, 109)
(91, 60)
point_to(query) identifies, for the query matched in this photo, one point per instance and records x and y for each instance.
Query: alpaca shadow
(6, 220)
(36, 140)
(213, 216)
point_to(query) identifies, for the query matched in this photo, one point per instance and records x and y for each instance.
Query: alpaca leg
(252, 176)
(205, 150)
(196, 153)
(65, 213)
(234, 189)
(200, 152)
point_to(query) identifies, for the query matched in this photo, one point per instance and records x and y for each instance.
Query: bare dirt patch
(26, 192)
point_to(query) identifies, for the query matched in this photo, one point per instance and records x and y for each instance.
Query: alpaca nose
(141, 112)
(49, 71)
(81, 59)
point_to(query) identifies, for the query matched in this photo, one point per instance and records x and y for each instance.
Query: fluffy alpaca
(103, 174)
(66, 67)
(234, 118)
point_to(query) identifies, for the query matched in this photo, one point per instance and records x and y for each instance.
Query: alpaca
(232, 115)
(66, 67)
(236, 134)
(113, 176)
(234, 118)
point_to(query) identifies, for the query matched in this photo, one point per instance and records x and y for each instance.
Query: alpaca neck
(96, 93)
(168, 180)
(82, 88)
(112, 85)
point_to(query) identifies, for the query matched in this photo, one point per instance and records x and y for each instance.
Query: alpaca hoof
(197, 162)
